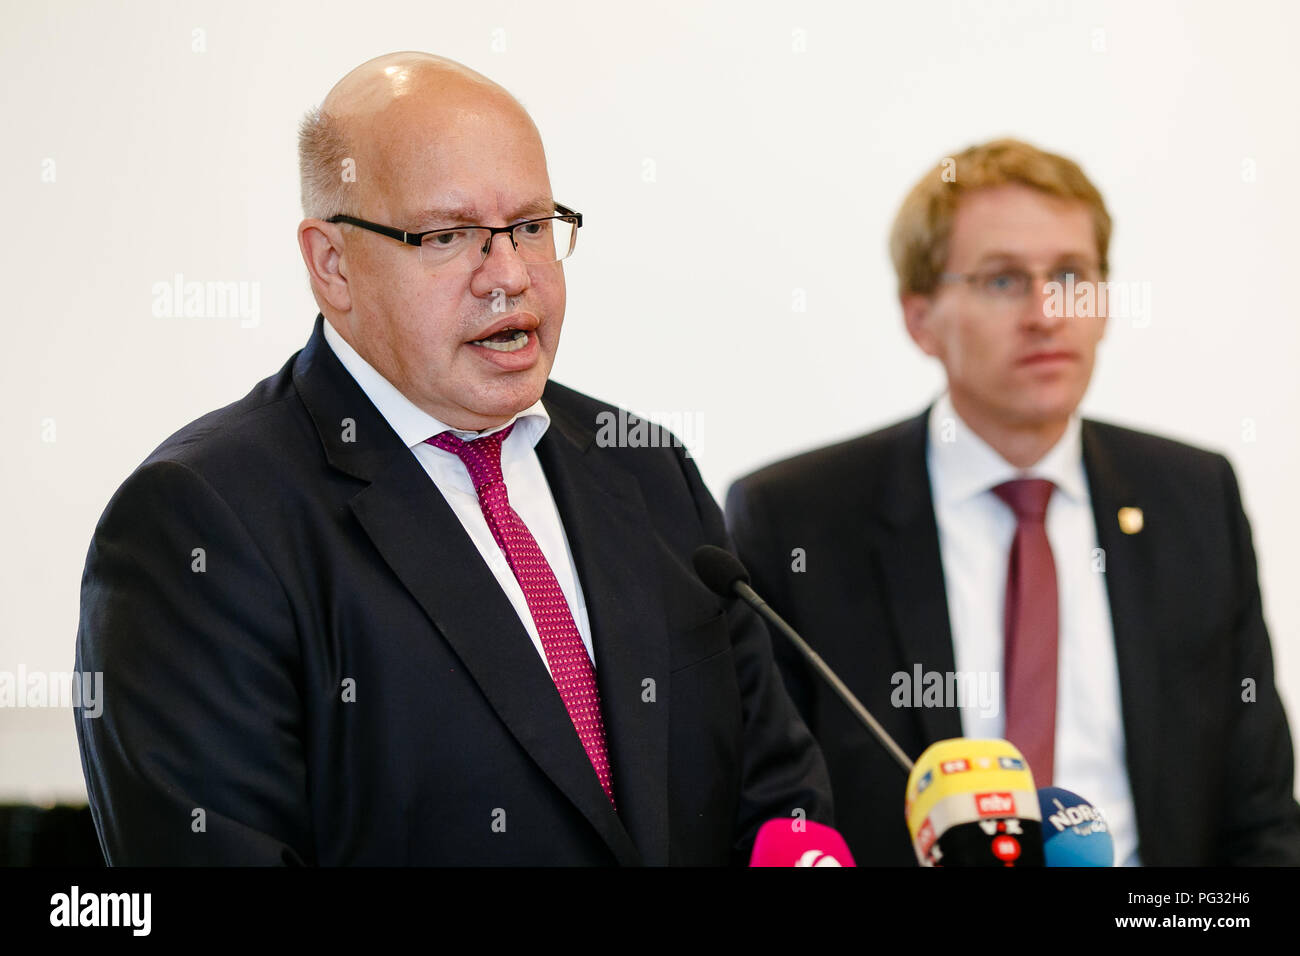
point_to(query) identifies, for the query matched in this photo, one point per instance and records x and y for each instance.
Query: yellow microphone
(973, 803)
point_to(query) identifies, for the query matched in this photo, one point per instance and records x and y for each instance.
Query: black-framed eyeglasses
(537, 241)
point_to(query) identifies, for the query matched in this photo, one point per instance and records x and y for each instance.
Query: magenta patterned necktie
(571, 668)
(1031, 622)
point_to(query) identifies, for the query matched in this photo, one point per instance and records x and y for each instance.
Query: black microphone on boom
(724, 575)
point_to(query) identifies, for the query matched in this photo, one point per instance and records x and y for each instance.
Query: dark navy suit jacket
(337, 678)
(1211, 774)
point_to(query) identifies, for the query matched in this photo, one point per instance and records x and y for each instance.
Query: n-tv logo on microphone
(995, 804)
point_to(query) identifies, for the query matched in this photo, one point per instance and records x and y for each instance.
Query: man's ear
(322, 250)
(916, 316)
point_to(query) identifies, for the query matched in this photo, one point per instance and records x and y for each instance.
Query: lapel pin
(1130, 520)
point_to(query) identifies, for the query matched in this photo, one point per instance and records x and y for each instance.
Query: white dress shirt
(976, 529)
(526, 485)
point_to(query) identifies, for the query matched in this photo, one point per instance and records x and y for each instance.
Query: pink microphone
(790, 842)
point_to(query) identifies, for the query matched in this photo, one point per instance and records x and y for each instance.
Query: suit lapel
(1137, 645)
(438, 563)
(628, 626)
(911, 570)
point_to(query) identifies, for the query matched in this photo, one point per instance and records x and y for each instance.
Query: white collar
(963, 465)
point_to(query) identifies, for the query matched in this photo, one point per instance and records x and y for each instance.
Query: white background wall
(781, 137)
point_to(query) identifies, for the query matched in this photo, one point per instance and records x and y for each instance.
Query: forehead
(469, 160)
(1019, 222)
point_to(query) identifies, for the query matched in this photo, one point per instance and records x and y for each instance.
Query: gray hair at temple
(323, 149)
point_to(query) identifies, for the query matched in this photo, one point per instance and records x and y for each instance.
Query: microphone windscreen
(718, 569)
(795, 842)
(1074, 831)
(973, 803)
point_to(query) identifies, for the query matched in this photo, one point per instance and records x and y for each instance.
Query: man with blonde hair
(1097, 586)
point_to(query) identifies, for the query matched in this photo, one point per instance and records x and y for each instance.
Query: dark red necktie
(1031, 625)
(571, 668)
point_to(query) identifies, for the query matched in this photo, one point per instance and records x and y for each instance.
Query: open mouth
(507, 340)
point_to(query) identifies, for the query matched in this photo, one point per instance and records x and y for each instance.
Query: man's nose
(1046, 308)
(502, 269)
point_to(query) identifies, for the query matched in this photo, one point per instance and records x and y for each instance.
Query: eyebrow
(468, 213)
(1018, 259)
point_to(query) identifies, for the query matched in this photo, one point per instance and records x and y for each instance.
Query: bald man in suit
(401, 604)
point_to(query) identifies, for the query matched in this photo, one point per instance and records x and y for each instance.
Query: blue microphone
(1074, 831)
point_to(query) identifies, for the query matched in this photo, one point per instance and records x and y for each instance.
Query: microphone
(719, 569)
(790, 842)
(973, 803)
(1074, 831)
(724, 575)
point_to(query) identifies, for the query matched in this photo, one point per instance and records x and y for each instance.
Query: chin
(1052, 402)
(504, 402)
(1047, 413)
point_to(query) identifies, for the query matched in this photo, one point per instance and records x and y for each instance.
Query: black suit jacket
(1211, 775)
(342, 681)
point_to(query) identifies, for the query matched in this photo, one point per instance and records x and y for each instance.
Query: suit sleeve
(1262, 820)
(196, 757)
(783, 768)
